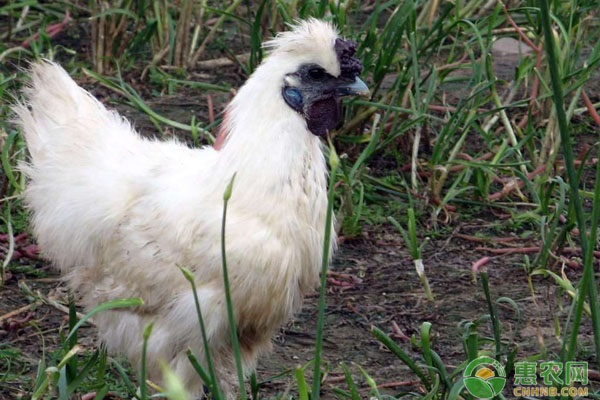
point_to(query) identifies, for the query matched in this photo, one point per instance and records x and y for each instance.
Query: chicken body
(120, 214)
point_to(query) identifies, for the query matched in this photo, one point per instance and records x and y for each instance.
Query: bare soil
(373, 284)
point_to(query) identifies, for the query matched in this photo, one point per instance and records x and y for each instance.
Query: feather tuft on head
(304, 35)
(316, 41)
(350, 66)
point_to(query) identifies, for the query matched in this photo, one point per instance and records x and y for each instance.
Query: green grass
(14, 367)
(444, 138)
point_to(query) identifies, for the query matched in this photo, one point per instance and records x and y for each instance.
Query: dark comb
(350, 66)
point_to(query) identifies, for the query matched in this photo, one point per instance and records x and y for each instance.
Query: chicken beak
(356, 88)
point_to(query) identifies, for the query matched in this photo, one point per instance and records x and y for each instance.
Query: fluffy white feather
(119, 214)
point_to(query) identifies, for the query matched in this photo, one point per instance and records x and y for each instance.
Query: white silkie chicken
(119, 214)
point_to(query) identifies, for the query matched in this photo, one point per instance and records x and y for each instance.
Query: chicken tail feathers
(80, 167)
(56, 112)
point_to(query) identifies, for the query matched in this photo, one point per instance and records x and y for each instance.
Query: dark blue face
(316, 94)
(315, 97)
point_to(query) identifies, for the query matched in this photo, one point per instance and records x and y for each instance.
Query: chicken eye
(316, 73)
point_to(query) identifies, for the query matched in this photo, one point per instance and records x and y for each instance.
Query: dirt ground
(390, 297)
(374, 284)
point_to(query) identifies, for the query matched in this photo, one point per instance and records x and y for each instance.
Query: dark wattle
(322, 116)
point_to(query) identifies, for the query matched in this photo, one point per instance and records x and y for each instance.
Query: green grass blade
(302, 385)
(209, 378)
(334, 163)
(109, 305)
(7, 165)
(62, 384)
(426, 347)
(496, 327)
(371, 382)
(254, 386)
(350, 382)
(204, 375)
(102, 392)
(230, 314)
(144, 366)
(125, 378)
(587, 283)
(81, 375)
(398, 352)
